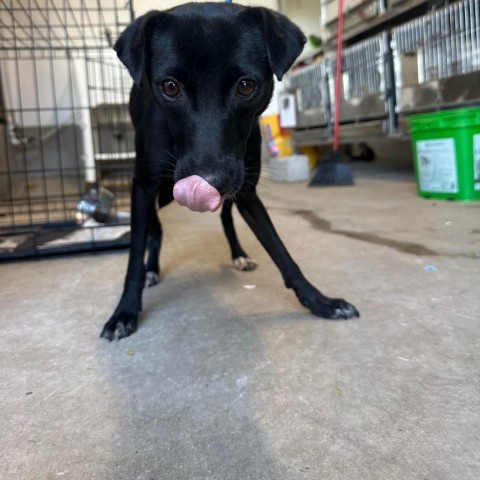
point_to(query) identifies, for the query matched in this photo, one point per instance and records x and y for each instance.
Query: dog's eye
(246, 88)
(170, 88)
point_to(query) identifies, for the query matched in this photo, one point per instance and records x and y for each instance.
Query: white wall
(142, 6)
(305, 13)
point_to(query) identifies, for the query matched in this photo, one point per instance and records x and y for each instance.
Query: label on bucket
(437, 165)
(476, 162)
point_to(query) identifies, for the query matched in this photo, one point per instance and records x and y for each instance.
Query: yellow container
(279, 143)
(312, 154)
(271, 125)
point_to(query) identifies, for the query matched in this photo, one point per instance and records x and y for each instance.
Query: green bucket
(446, 150)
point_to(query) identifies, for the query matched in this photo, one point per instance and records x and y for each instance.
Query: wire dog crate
(66, 144)
(437, 58)
(367, 105)
(363, 80)
(311, 88)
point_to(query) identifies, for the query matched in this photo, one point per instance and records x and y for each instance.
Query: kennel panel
(57, 72)
(310, 85)
(437, 58)
(364, 80)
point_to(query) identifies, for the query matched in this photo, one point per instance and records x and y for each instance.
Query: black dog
(203, 75)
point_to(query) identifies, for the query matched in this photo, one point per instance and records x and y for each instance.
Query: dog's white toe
(151, 279)
(245, 263)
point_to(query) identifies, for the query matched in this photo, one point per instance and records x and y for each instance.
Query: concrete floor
(229, 377)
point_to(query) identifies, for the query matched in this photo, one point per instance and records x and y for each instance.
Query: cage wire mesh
(439, 45)
(310, 86)
(363, 75)
(363, 68)
(364, 80)
(66, 143)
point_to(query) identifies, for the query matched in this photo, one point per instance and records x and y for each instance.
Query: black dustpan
(334, 168)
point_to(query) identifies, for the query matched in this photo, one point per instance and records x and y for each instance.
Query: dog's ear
(131, 46)
(284, 40)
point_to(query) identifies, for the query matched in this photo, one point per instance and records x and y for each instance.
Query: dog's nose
(219, 182)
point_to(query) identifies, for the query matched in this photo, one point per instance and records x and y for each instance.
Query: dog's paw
(330, 308)
(245, 264)
(338, 309)
(119, 326)
(151, 279)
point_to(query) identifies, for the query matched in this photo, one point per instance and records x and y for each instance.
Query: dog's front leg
(152, 276)
(255, 214)
(123, 322)
(241, 261)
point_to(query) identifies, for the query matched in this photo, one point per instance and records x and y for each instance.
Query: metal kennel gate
(437, 59)
(367, 106)
(311, 88)
(66, 143)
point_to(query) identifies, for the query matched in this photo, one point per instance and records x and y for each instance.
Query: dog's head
(210, 69)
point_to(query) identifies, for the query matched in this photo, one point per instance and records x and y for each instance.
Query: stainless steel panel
(349, 132)
(363, 108)
(352, 132)
(312, 136)
(454, 91)
(311, 118)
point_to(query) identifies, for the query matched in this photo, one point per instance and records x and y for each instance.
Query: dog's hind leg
(124, 320)
(152, 277)
(241, 261)
(255, 214)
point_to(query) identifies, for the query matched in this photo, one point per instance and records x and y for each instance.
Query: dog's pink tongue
(197, 194)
